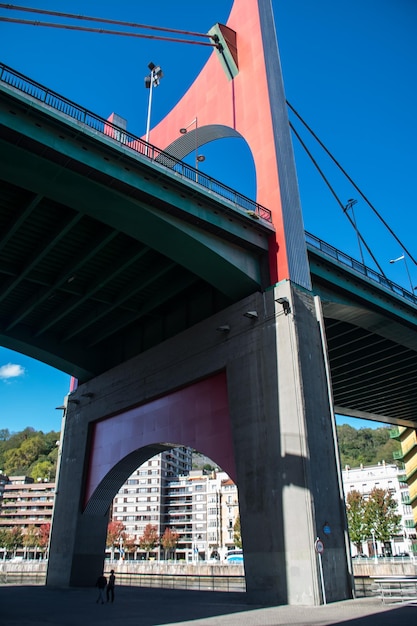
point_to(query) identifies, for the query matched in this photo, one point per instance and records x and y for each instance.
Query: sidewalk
(136, 606)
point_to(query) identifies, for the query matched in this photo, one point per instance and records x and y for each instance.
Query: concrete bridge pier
(274, 435)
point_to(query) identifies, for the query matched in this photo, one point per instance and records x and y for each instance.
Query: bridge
(84, 288)
(192, 315)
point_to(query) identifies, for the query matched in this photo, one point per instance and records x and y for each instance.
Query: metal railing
(396, 590)
(146, 150)
(353, 264)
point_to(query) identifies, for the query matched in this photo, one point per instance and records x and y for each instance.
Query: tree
(43, 536)
(4, 434)
(129, 544)
(381, 515)
(13, 539)
(43, 469)
(3, 541)
(237, 535)
(355, 509)
(365, 445)
(149, 540)
(31, 537)
(115, 535)
(19, 452)
(169, 540)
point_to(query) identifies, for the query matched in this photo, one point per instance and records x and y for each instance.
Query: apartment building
(142, 498)
(26, 502)
(202, 509)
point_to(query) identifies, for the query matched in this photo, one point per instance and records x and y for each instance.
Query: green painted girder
(336, 283)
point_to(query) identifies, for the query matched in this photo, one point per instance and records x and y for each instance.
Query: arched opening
(178, 506)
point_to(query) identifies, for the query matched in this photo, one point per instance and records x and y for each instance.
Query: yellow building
(408, 455)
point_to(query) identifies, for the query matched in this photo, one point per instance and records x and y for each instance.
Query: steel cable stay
(379, 216)
(340, 203)
(105, 21)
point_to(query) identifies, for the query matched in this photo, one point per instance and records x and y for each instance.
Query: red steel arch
(253, 105)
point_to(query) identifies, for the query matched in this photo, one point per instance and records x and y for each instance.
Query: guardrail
(146, 150)
(395, 590)
(362, 269)
(197, 582)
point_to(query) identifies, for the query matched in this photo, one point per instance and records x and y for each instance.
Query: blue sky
(350, 71)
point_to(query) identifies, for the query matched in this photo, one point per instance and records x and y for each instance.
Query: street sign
(319, 546)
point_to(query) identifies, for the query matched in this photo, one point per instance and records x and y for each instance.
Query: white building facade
(388, 477)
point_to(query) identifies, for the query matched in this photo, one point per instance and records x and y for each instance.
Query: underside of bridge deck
(103, 254)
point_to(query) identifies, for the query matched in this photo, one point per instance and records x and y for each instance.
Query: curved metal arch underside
(98, 504)
(194, 138)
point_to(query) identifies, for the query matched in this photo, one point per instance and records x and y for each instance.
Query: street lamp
(152, 80)
(374, 544)
(402, 258)
(199, 158)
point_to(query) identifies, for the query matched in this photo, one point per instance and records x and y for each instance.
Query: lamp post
(374, 544)
(402, 258)
(152, 80)
(199, 158)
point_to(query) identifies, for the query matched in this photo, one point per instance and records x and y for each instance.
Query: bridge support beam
(282, 440)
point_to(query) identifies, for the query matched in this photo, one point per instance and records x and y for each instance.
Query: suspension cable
(340, 203)
(103, 31)
(101, 19)
(353, 183)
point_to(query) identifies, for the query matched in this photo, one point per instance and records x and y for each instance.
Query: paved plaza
(136, 606)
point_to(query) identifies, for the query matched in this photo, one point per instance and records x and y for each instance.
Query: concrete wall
(282, 439)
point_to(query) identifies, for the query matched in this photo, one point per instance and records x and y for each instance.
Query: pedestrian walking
(101, 584)
(110, 586)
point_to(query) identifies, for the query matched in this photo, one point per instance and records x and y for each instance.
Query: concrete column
(77, 544)
(285, 458)
(286, 467)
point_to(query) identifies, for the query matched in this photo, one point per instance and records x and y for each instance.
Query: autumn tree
(149, 540)
(12, 539)
(43, 535)
(169, 540)
(381, 515)
(115, 535)
(129, 544)
(355, 509)
(237, 535)
(31, 537)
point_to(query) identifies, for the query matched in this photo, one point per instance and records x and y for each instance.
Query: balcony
(396, 432)
(402, 454)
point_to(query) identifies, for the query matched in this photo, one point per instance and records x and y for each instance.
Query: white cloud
(11, 370)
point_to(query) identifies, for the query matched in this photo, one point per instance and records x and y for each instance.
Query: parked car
(235, 556)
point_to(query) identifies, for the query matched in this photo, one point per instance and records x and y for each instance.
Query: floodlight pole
(151, 81)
